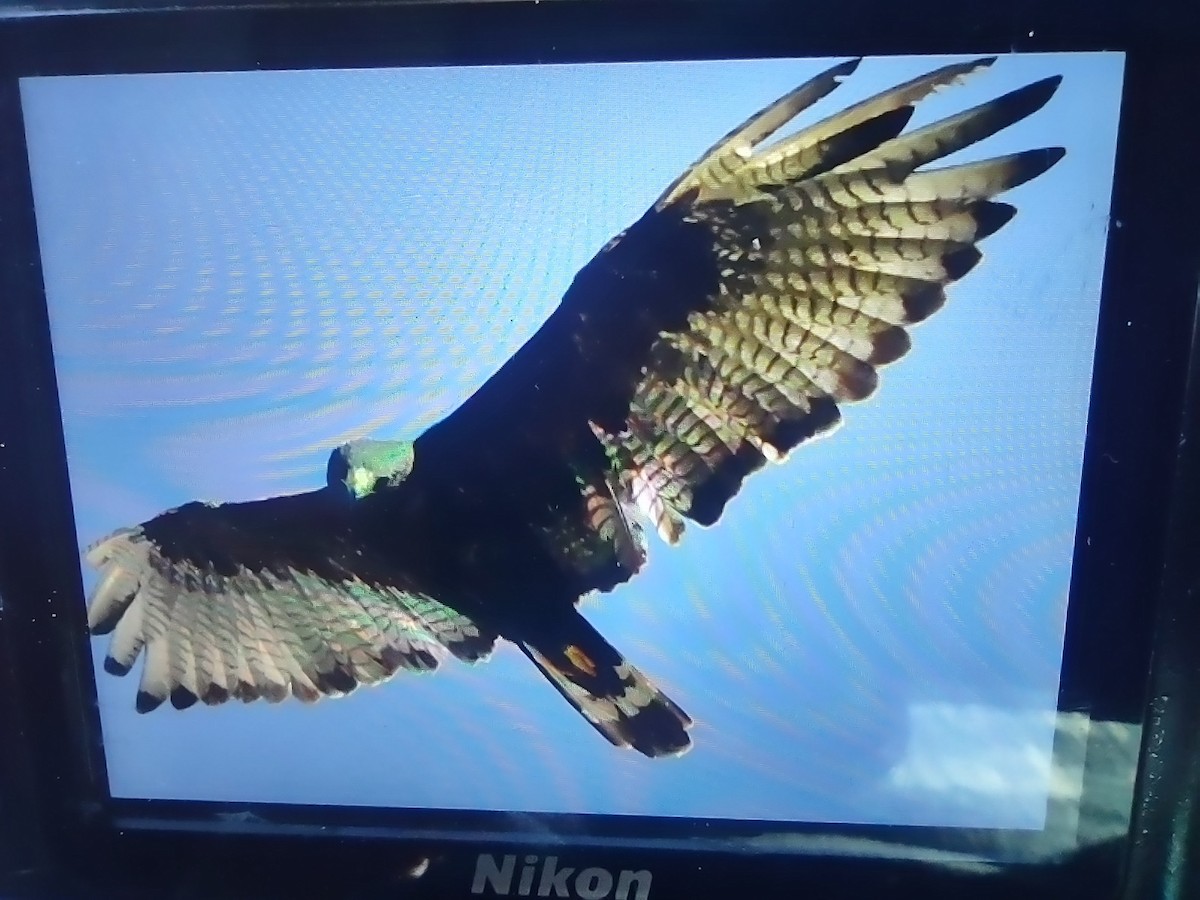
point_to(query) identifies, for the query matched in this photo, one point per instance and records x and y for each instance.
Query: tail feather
(614, 697)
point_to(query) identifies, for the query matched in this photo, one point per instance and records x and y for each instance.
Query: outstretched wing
(764, 289)
(271, 598)
(829, 249)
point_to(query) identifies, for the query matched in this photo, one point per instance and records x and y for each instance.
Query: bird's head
(362, 467)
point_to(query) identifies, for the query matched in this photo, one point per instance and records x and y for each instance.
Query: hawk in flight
(724, 328)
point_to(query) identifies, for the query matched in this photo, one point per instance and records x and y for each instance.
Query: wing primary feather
(738, 143)
(770, 119)
(796, 160)
(948, 135)
(904, 95)
(975, 181)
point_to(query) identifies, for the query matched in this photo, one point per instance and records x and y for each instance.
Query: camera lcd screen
(825, 555)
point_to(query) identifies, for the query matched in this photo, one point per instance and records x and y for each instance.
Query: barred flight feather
(733, 399)
(723, 160)
(946, 136)
(904, 96)
(723, 431)
(730, 167)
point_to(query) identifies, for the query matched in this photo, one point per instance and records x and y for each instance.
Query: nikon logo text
(539, 876)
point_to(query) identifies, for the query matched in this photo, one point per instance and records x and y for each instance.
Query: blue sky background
(246, 269)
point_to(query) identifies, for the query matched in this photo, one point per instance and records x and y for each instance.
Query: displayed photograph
(680, 439)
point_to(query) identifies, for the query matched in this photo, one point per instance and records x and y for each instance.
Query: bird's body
(718, 332)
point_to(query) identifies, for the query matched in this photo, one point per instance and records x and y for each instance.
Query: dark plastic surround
(53, 768)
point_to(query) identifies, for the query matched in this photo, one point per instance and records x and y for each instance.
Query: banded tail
(618, 700)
